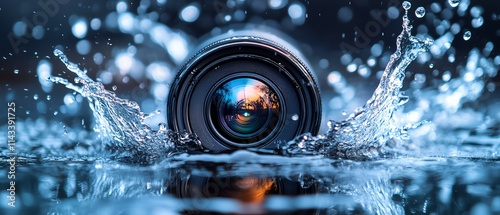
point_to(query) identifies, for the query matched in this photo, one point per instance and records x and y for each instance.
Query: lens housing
(244, 91)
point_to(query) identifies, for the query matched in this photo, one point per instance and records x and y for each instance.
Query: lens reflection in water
(244, 107)
(252, 194)
(244, 189)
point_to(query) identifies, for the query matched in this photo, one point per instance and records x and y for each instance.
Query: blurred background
(136, 47)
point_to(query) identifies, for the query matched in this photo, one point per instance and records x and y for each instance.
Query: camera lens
(245, 90)
(244, 108)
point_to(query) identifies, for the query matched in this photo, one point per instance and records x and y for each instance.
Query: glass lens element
(244, 108)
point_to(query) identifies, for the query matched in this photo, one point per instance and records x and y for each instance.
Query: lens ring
(245, 109)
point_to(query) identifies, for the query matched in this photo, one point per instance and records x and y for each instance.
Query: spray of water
(121, 125)
(371, 126)
(120, 122)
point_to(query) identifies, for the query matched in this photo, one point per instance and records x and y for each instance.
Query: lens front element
(244, 108)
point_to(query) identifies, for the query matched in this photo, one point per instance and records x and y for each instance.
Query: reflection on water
(256, 184)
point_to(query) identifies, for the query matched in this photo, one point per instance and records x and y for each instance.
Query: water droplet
(27, 112)
(431, 65)
(38, 32)
(477, 22)
(79, 29)
(190, 13)
(403, 100)
(406, 5)
(95, 24)
(323, 63)
(83, 47)
(55, 113)
(114, 87)
(16, 71)
(467, 35)
(48, 97)
(420, 12)
(295, 117)
(68, 99)
(35, 97)
(330, 124)
(446, 76)
(352, 67)
(451, 58)
(162, 126)
(453, 3)
(476, 11)
(436, 8)
(455, 28)
(277, 4)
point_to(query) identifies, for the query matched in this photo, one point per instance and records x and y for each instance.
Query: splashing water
(371, 126)
(120, 122)
(121, 125)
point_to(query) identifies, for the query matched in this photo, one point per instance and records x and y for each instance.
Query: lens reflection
(244, 108)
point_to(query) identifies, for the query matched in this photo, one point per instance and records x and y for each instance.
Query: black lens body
(244, 92)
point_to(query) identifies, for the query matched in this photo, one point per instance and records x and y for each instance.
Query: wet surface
(248, 183)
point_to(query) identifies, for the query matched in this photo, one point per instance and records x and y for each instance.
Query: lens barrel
(244, 91)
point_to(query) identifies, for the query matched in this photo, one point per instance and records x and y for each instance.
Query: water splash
(121, 125)
(120, 122)
(371, 126)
